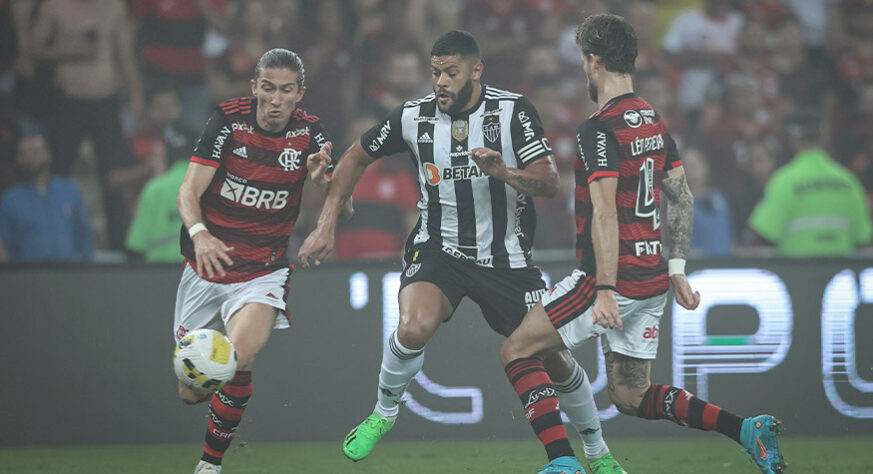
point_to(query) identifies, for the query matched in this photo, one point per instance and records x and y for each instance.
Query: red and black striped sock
(225, 413)
(540, 402)
(672, 403)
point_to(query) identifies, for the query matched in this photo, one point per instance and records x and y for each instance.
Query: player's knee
(188, 396)
(626, 399)
(244, 360)
(413, 335)
(513, 348)
(559, 365)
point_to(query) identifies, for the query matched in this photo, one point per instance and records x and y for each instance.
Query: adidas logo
(241, 152)
(425, 138)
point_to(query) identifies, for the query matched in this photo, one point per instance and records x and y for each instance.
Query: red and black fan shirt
(626, 139)
(254, 198)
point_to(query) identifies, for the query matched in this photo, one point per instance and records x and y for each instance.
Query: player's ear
(254, 86)
(478, 67)
(301, 92)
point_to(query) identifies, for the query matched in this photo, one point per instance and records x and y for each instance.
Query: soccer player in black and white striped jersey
(481, 155)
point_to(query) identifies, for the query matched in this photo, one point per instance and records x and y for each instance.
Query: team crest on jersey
(491, 129)
(412, 269)
(290, 159)
(460, 130)
(633, 118)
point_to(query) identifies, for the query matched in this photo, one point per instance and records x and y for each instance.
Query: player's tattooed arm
(680, 211)
(540, 178)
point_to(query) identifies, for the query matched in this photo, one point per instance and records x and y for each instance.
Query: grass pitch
(709, 454)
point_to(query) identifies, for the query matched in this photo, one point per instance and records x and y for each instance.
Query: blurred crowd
(102, 100)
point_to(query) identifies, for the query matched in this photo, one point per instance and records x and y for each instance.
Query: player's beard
(460, 99)
(592, 89)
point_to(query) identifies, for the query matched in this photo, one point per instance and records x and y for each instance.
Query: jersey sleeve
(673, 159)
(529, 142)
(597, 149)
(209, 149)
(770, 215)
(386, 137)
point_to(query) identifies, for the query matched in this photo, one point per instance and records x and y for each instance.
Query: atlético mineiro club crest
(290, 159)
(491, 129)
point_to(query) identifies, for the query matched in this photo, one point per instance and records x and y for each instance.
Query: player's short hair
(612, 38)
(280, 58)
(456, 42)
(805, 125)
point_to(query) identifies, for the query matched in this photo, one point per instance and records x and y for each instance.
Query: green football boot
(363, 438)
(605, 465)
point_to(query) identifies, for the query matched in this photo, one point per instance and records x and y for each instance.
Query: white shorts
(204, 304)
(568, 305)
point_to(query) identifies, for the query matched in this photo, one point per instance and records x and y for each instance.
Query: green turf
(709, 455)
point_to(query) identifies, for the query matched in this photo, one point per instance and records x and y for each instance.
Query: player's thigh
(568, 307)
(504, 295)
(535, 336)
(423, 307)
(641, 320)
(429, 293)
(198, 304)
(249, 329)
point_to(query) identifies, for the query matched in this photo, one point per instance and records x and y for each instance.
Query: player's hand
(210, 253)
(318, 245)
(317, 163)
(605, 310)
(685, 296)
(490, 162)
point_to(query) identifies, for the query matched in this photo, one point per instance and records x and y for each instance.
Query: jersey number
(646, 205)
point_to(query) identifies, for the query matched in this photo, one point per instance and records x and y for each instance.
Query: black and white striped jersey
(463, 212)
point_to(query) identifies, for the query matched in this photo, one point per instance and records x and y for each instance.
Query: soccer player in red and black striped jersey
(239, 201)
(618, 292)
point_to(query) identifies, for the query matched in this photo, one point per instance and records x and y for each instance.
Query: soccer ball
(204, 360)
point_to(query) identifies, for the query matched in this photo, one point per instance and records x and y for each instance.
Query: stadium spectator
(170, 44)
(812, 207)
(763, 157)
(88, 43)
(163, 114)
(699, 42)
(462, 245)
(34, 92)
(154, 231)
(239, 201)
(385, 207)
(713, 229)
(42, 218)
(403, 79)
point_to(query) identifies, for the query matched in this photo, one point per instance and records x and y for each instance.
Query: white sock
(577, 401)
(399, 366)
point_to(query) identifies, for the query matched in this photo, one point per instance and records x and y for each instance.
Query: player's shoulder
(590, 125)
(417, 102)
(493, 93)
(304, 116)
(239, 105)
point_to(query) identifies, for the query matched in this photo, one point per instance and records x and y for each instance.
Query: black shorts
(504, 295)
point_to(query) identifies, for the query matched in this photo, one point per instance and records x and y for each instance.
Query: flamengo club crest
(290, 159)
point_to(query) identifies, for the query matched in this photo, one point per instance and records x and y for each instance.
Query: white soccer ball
(204, 360)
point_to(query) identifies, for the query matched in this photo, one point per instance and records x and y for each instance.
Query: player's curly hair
(612, 38)
(282, 59)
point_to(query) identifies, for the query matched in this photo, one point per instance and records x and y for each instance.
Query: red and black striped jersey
(626, 139)
(254, 198)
